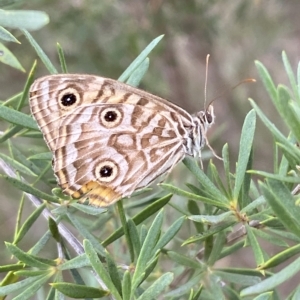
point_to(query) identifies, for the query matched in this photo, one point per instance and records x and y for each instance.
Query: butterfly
(108, 138)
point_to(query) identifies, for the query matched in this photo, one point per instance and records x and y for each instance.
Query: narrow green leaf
(18, 286)
(267, 80)
(134, 236)
(169, 234)
(31, 273)
(289, 179)
(90, 210)
(147, 248)
(138, 74)
(246, 142)
(41, 156)
(126, 286)
(78, 291)
(157, 287)
(18, 118)
(275, 280)
(185, 288)
(283, 204)
(227, 216)
(265, 296)
(29, 259)
(290, 73)
(240, 279)
(28, 223)
(280, 257)
(205, 181)
(100, 269)
(226, 163)
(86, 234)
(142, 56)
(7, 36)
(10, 132)
(275, 132)
(257, 251)
(16, 165)
(29, 189)
(126, 231)
(218, 245)
(13, 267)
(185, 261)
(113, 272)
(44, 58)
(33, 288)
(62, 59)
(271, 238)
(287, 112)
(183, 193)
(203, 236)
(23, 19)
(298, 79)
(6, 57)
(75, 263)
(140, 217)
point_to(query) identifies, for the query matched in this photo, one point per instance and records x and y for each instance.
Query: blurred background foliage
(103, 37)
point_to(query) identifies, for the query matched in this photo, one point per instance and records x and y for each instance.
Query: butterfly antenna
(230, 89)
(206, 75)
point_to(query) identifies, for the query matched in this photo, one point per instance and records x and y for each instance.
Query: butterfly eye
(209, 118)
(110, 117)
(106, 171)
(68, 98)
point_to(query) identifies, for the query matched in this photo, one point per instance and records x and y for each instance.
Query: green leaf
(134, 236)
(267, 80)
(240, 279)
(276, 279)
(218, 245)
(44, 58)
(280, 257)
(140, 217)
(289, 179)
(157, 287)
(7, 36)
(8, 58)
(287, 112)
(90, 210)
(244, 152)
(140, 59)
(41, 156)
(183, 193)
(77, 262)
(169, 234)
(29, 259)
(137, 75)
(283, 204)
(62, 59)
(19, 286)
(258, 254)
(23, 19)
(78, 291)
(17, 166)
(147, 248)
(18, 118)
(29, 189)
(28, 223)
(209, 187)
(86, 234)
(113, 272)
(126, 286)
(290, 74)
(100, 269)
(227, 216)
(265, 296)
(185, 261)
